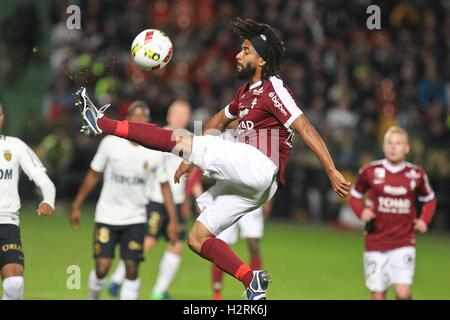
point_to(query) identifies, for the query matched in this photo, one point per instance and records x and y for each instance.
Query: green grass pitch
(304, 262)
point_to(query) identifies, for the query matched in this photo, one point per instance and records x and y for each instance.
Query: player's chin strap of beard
(259, 42)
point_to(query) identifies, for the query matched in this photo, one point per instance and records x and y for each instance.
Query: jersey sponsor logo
(7, 155)
(246, 125)
(412, 184)
(6, 174)
(134, 246)
(127, 180)
(11, 246)
(258, 92)
(277, 103)
(394, 205)
(395, 191)
(412, 174)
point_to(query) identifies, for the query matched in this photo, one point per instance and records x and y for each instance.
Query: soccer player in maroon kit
(248, 171)
(392, 187)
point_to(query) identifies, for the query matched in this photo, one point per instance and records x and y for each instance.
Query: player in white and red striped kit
(248, 171)
(393, 186)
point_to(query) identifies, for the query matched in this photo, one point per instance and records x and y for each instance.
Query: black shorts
(158, 219)
(130, 237)
(10, 245)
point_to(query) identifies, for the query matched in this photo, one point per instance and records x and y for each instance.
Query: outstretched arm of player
(89, 182)
(172, 228)
(215, 126)
(310, 136)
(34, 169)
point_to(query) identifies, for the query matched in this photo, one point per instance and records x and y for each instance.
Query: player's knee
(403, 295)
(13, 288)
(194, 243)
(131, 270)
(101, 270)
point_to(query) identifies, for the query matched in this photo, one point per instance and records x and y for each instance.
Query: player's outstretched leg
(146, 134)
(205, 244)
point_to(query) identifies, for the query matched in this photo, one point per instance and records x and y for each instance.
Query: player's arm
(267, 209)
(172, 228)
(314, 141)
(356, 200)
(90, 181)
(428, 198)
(34, 169)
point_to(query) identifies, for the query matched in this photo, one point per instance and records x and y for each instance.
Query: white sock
(95, 286)
(119, 274)
(130, 289)
(167, 270)
(13, 288)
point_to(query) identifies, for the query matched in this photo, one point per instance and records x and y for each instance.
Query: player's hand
(420, 225)
(340, 185)
(44, 209)
(367, 215)
(183, 168)
(172, 231)
(74, 218)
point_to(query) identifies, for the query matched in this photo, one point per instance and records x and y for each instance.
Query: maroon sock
(218, 252)
(146, 134)
(255, 262)
(217, 276)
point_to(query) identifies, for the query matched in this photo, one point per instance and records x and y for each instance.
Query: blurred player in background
(251, 227)
(248, 172)
(393, 186)
(120, 216)
(16, 155)
(178, 117)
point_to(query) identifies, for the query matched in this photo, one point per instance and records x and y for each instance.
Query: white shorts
(251, 226)
(383, 269)
(246, 179)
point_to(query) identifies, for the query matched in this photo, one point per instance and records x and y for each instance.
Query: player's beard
(246, 73)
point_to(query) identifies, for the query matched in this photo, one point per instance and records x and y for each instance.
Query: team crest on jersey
(412, 174)
(8, 155)
(146, 165)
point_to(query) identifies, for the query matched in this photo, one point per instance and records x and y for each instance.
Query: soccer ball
(151, 49)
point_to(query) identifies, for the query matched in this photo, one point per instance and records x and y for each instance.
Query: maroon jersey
(392, 193)
(266, 111)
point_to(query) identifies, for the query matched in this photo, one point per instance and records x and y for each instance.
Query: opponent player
(251, 227)
(120, 216)
(393, 186)
(16, 155)
(178, 117)
(248, 172)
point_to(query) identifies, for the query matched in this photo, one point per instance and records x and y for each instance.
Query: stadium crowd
(352, 82)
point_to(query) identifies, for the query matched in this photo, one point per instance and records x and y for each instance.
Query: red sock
(217, 276)
(218, 252)
(255, 262)
(146, 134)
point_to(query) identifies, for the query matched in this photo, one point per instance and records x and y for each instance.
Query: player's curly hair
(248, 29)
